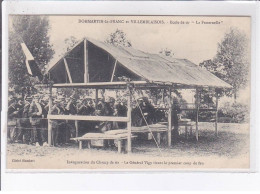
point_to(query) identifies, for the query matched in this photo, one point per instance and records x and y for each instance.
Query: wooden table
(102, 136)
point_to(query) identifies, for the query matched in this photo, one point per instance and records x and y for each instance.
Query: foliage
(235, 112)
(230, 63)
(118, 38)
(33, 31)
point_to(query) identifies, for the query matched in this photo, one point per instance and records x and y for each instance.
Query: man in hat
(12, 112)
(25, 121)
(35, 115)
(71, 109)
(44, 122)
(18, 133)
(55, 110)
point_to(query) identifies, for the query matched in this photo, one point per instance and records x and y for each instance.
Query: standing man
(71, 108)
(25, 121)
(35, 115)
(12, 112)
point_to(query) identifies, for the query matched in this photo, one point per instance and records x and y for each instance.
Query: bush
(234, 112)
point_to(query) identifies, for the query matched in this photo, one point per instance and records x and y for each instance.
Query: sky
(189, 37)
(195, 40)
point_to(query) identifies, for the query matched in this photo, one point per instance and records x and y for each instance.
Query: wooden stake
(170, 119)
(96, 100)
(86, 74)
(197, 114)
(77, 127)
(49, 120)
(216, 116)
(129, 123)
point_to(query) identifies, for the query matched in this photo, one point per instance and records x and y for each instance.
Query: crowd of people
(28, 123)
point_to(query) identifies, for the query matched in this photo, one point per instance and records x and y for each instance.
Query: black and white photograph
(128, 92)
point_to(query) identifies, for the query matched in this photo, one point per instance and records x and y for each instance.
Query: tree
(33, 31)
(231, 63)
(118, 38)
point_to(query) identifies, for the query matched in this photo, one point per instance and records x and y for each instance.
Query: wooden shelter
(97, 65)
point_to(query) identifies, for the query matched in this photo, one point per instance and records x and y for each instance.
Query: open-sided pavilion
(92, 64)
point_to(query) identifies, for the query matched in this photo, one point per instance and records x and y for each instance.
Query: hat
(72, 97)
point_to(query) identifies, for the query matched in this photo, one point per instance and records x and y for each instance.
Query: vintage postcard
(102, 92)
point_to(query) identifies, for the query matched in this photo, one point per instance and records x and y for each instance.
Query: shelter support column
(197, 113)
(170, 119)
(49, 121)
(96, 99)
(216, 115)
(86, 74)
(129, 122)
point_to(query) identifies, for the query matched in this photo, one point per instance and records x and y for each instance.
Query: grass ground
(233, 142)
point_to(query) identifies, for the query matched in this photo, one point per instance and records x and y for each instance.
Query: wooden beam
(113, 73)
(86, 73)
(87, 118)
(129, 123)
(67, 70)
(169, 134)
(49, 121)
(216, 116)
(97, 84)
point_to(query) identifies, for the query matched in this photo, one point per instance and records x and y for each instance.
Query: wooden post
(80, 145)
(170, 119)
(216, 116)
(49, 121)
(119, 144)
(77, 127)
(197, 114)
(96, 99)
(129, 123)
(86, 74)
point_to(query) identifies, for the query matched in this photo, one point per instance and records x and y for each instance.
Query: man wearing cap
(18, 133)
(71, 109)
(25, 121)
(175, 120)
(12, 112)
(44, 123)
(35, 115)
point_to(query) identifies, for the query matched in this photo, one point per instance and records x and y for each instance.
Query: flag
(32, 68)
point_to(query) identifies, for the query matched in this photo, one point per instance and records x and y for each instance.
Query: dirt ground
(233, 142)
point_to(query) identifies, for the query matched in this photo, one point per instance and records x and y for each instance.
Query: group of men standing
(28, 123)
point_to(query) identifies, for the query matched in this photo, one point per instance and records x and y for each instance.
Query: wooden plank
(49, 121)
(129, 123)
(67, 70)
(87, 118)
(86, 73)
(113, 73)
(216, 116)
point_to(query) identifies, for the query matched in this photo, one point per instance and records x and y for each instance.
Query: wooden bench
(121, 137)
